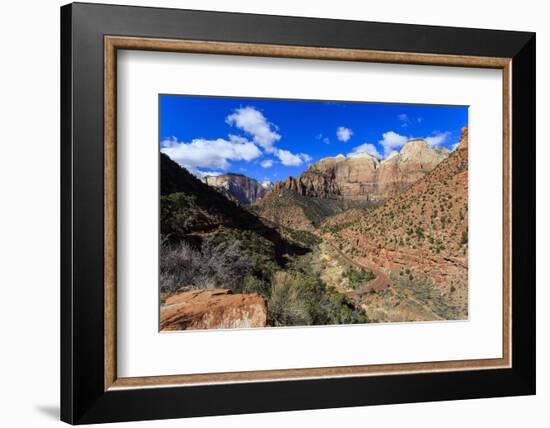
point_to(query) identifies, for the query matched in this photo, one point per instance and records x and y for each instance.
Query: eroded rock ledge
(211, 309)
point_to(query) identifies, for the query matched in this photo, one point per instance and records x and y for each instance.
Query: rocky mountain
(296, 211)
(420, 233)
(335, 184)
(222, 266)
(192, 211)
(363, 177)
(266, 184)
(399, 170)
(244, 189)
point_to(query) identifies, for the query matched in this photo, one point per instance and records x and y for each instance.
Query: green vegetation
(304, 237)
(358, 278)
(422, 291)
(209, 241)
(300, 298)
(295, 295)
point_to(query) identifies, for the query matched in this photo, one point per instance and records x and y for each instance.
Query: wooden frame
(513, 53)
(113, 43)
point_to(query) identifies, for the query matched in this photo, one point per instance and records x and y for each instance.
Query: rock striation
(363, 177)
(244, 189)
(422, 231)
(211, 309)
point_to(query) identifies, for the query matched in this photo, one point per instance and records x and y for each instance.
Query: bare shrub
(214, 265)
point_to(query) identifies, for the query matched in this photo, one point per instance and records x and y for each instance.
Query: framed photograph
(266, 213)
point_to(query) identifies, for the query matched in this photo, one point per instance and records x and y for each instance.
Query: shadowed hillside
(190, 209)
(255, 275)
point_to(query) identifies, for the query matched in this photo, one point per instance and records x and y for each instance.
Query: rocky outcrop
(244, 189)
(463, 143)
(211, 309)
(414, 161)
(362, 177)
(421, 232)
(266, 184)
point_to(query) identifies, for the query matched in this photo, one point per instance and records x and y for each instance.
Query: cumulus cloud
(391, 141)
(201, 154)
(199, 173)
(288, 158)
(210, 154)
(368, 148)
(253, 122)
(267, 163)
(343, 134)
(437, 138)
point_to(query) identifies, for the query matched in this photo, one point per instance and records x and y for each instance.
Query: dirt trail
(381, 281)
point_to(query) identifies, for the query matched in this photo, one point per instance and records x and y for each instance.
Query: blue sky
(272, 138)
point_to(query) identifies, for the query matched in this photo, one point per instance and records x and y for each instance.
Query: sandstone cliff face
(244, 189)
(422, 231)
(413, 162)
(363, 177)
(212, 308)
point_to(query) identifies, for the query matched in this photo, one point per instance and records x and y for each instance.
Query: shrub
(299, 298)
(289, 303)
(358, 277)
(464, 238)
(213, 265)
(178, 214)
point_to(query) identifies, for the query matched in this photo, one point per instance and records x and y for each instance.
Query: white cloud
(368, 148)
(255, 123)
(343, 134)
(267, 163)
(324, 139)
(437, 139)
(392, 140)
(404, 119)
(454, 146)
(202, 174)
(288, 158)
(237, 139)
(210, 154)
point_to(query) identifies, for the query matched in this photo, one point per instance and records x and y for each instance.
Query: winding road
(381, 281)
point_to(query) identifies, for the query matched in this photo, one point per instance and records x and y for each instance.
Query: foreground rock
(211, 309)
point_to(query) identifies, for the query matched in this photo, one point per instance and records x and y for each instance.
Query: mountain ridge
(244, 189)
(421, 232)
(346, 182)
(363, 176)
